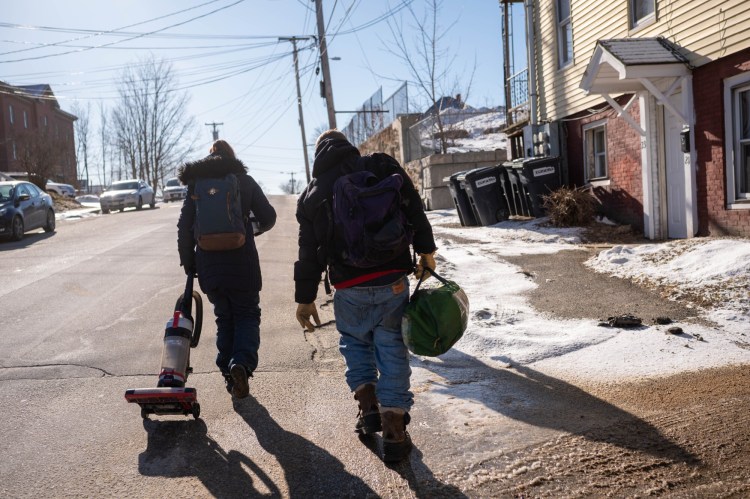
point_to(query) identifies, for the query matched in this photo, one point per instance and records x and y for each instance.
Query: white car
(127, 194)
(61, 189)
(174, 190)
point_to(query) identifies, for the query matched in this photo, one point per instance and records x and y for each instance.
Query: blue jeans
(238, 328)
(369, 322)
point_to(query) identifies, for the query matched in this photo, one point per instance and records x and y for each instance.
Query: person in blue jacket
(230, 279)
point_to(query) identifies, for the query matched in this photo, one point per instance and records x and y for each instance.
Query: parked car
(24, 207)
(174, 190)
(127, 194)
(61, 189)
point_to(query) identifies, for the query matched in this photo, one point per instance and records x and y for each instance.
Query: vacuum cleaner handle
(187, 303)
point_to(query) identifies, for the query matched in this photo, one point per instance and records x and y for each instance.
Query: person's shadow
(526, 395)
(310, 471)
(183, 448)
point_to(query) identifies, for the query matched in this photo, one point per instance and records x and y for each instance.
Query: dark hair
(223, 149)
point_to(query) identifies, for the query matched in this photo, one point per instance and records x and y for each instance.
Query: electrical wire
(127, 39)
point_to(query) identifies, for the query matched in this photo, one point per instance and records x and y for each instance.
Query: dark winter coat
(332, 159)
(235, 269)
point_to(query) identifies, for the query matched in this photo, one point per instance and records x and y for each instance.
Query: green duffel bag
(435, 318)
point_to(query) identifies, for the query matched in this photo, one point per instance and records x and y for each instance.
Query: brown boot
(369, 412)
(396, 440)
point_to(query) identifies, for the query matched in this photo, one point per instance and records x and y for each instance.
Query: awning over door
(631, 65)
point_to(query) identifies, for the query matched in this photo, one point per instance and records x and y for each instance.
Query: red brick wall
(708, 88)
(622, 200)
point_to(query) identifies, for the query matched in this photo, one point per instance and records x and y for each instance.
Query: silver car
(127, 194)
(174, 190)
(61, 189)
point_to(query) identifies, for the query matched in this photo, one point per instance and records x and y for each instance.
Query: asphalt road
(82, 319)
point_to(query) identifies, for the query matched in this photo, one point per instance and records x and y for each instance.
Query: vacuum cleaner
(181, 334)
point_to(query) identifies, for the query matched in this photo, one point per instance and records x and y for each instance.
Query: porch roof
(619, 65)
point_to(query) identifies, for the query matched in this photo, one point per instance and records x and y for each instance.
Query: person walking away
(368, 301)
(230, 278)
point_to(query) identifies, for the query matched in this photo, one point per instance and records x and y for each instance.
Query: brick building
(36, 135)
(651, 108)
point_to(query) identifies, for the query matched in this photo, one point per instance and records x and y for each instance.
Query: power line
(127, 39)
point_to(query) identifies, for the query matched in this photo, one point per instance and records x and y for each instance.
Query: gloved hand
(189, 270)
(426, 260)
(304, 311)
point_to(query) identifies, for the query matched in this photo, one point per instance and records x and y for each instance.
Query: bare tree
(151, 127)
(420, 47)
(41, 152)
(81, 127)
(292, 186)
(105, 143)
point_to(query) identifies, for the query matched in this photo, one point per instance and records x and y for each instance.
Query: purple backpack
(370, 226)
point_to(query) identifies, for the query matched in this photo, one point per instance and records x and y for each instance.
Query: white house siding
(707, 29)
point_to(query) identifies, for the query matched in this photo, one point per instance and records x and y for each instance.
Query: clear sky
(228, 56)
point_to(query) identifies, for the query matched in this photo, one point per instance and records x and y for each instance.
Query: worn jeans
(238, 328)
(369, 322)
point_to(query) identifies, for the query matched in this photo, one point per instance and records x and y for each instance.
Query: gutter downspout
(530, 48)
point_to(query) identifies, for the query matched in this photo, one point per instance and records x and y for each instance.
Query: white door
(675, 173)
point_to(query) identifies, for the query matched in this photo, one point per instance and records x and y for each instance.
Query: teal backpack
(435, 318)
(219, 222)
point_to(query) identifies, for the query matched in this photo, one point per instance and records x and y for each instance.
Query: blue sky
(248, 83)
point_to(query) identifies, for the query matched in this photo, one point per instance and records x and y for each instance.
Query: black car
(24, 207)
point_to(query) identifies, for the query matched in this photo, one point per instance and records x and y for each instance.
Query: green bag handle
(424, 276)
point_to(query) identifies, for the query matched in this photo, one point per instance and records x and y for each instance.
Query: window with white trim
(15, 156)
(25, 120)
(595, 151)
(564, 34)
(10, 113)
(642, 12)
(739, 173)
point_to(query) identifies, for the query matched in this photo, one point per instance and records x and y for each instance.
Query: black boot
(368, 418)
(396, 440)
(241, 389)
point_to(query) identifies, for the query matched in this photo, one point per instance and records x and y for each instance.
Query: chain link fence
(376, 114)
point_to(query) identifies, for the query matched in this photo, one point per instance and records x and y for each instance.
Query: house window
(564, 33)
(595, 149)
(10, 113)
(642, 12)
(45, 121)
(15, 156)
(25, 120)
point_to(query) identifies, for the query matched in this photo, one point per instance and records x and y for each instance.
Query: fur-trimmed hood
(210, 166)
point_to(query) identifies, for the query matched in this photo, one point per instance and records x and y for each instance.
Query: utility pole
(294, 39)
(292, 184)
(216, 131)
(324, 63)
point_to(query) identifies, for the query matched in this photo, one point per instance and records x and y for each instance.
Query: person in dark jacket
(230, 279)
(368, 303)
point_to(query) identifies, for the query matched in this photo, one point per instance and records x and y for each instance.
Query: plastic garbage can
(539, 177)
(507, 190)
(461, 200)
(517, 192)
(482, 186)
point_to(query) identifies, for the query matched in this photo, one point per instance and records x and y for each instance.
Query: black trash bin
(516, 192)
(461, 199)
(507, 189)
(539, 177)
(482, 186)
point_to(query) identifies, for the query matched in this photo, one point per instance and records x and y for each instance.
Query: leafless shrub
(570, 207)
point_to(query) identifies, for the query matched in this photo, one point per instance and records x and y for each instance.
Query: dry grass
(568, 207)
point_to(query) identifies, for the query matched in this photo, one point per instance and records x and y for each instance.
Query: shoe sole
(241, 389)
(394, 452)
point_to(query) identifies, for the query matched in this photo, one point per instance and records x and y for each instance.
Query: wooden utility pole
(327, 90)
(294, 39)
(215, 130)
